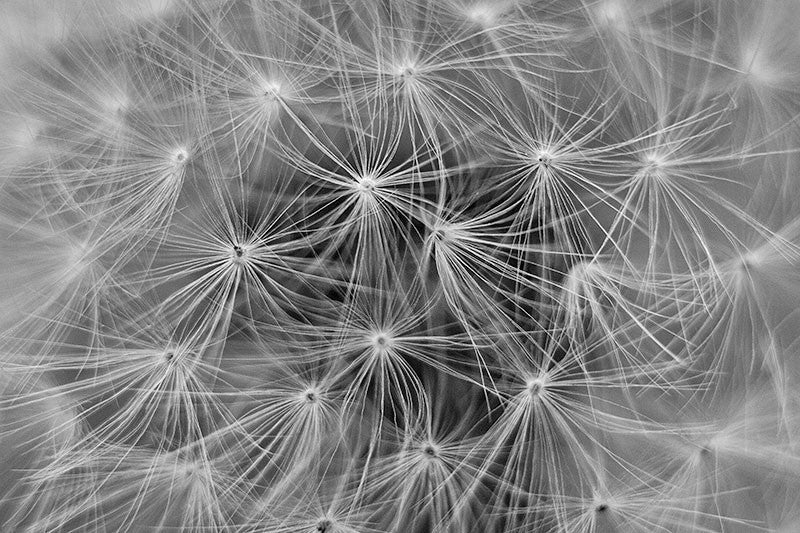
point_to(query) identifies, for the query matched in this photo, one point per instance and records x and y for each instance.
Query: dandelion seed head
(652, 165)
(270, 89)
(699, 449)
(535, 387)
(407, 70)
(442, 233)
(429, 450)
(700, 453)
(179, 156)
(560, 261)
(654, 160)
(173, 355)
(240, 254)
(311, 395)
(542, 158)
(366, 184)
(381, 341)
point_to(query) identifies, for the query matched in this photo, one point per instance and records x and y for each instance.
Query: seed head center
(543, 158)
(406, 71)
(238, 253)
(180, 156)
(271, 90)
(367, 185)
(535, 387)
(381, 341)
(429, 450)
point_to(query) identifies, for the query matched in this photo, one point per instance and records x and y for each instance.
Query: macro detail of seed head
(430, 266)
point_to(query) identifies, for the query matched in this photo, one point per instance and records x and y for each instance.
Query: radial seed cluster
(418, 266)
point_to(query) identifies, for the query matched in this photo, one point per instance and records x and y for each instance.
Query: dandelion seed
(180, 156)
(430, 450)
(544, 158)
(271, 90)
(381, 341)
(406, 71)
(536, 387)
(367, 185)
